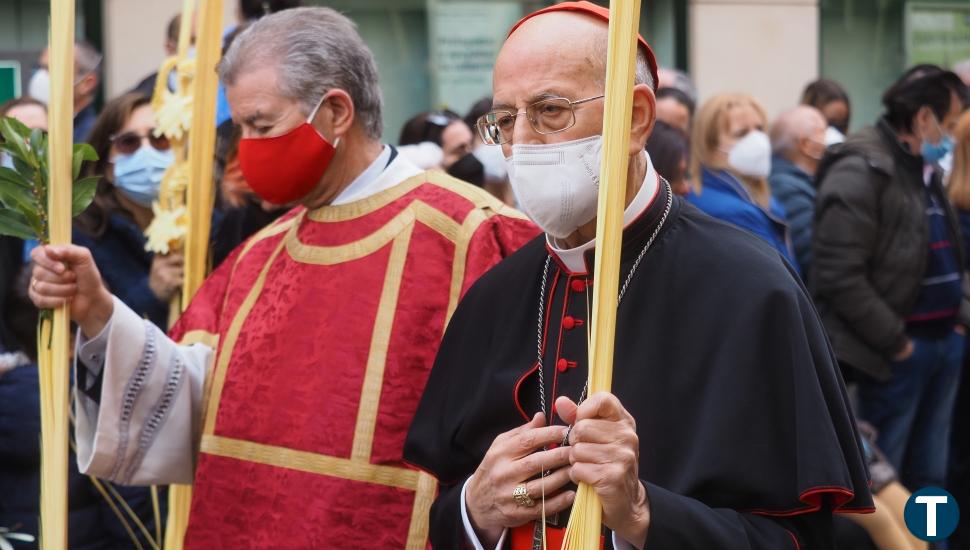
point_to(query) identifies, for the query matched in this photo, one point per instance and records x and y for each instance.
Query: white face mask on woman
(557, 184)
(752, 155)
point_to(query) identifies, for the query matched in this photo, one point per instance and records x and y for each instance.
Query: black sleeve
(683, 523)
(845, 232)
(447, 528)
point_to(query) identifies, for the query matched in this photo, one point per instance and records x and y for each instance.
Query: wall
(768, 48)
(134, 34)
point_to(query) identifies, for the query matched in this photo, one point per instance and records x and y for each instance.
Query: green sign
(9, 80)
(937, 33)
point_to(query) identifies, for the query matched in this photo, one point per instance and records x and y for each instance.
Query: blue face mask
(932, 153)
(139, 175)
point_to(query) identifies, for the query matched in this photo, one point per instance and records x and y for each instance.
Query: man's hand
(165, 278)
(605, 453)
(67, 274)
(513, 459)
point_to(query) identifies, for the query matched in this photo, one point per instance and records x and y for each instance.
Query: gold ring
(521, 496)
(33, 283)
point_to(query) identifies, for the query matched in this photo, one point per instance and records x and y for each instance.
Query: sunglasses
(129, 142)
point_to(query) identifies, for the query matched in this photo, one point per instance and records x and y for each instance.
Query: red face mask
(286, 168)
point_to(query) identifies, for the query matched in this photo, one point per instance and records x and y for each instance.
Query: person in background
(87, 78)
(730, 164)
(448, 131)
(959, 193)
(492, 159)
(30, 111)
(675, 108)
(91, 522)
(131, 163)
(676, 78)
(798, 144)
(887, 269)
(147, 85)
(668, 150)
(831, 98)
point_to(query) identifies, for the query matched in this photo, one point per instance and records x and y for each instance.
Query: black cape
(746, 435)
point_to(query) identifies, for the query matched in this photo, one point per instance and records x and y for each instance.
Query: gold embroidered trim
(224, 356)
(370, 394)
(356, 209)
(331, 255)
(423, 498)
(312, 463)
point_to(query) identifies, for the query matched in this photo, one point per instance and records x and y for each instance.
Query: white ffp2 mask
(752, 155)
(557, 184)
(39, 86)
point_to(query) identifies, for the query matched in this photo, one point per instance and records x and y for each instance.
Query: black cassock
(746, 435)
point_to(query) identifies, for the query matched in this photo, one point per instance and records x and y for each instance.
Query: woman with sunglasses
(132, 161)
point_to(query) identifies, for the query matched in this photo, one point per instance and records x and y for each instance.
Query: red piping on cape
(813, 498)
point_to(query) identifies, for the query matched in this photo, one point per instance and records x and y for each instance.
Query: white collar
(574, 259)
(379, 176)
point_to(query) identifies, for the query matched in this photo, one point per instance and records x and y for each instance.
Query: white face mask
(557, 185)
(39, 86)
(752, 155)
(833, 136)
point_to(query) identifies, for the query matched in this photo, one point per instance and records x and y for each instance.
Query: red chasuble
(326, 324)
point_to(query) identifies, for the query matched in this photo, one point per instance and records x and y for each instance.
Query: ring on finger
(33, 283)
(521, 496)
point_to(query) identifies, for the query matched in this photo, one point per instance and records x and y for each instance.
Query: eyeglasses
(129, 142)
(547, 116)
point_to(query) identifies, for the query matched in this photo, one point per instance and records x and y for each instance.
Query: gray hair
(87, 59)
(315, 50)
(792, 125)
(642, 73)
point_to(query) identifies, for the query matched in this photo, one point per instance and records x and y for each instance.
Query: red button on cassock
(562, 365)
(569, 322)
(579, 285)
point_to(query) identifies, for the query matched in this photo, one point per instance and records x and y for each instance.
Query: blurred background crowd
(860, 179)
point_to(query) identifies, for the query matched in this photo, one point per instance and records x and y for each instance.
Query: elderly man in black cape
(728, 427)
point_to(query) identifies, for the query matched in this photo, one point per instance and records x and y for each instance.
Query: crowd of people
(871, 221)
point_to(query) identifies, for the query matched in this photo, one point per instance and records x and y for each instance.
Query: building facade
(439, 53)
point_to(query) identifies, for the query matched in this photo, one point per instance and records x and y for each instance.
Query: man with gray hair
(798, 143)
(286, 389)
(87, 78)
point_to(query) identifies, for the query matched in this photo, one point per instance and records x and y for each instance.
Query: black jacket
(870, 246)
(746, 438)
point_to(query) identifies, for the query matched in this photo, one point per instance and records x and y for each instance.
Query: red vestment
(327, 323)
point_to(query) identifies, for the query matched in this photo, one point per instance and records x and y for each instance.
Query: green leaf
(14, 195)
(13, 223)
(14, 134)
(37, 142)
(82, 153)
(14, 177)
(83, 194)
(25, 170)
